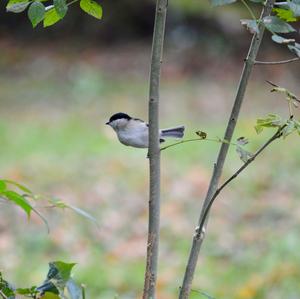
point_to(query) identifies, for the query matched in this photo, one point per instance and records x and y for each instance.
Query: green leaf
(60, 7)
(281, 40)
(257, 1)
(17, 6)
(221, 2)
(26, 291)
(51, 17)
(293, 6)
(274, 24)
(36, 13)
(2, 186)
(92, 8)
(285, 14)
(49, 295)
(18, 200)
(270, 121)
(251, 25)
(20, 186)
(295, 49)
(64, 269)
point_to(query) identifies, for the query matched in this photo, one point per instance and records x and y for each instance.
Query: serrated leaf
(221, 2)
(295, 49)
(281, 40)
(18, 200)
(285, 14)
(270, 121)
(2, 186)
(36, 13)
(274, 24)
(51, 17)
(92, 8)
(251, 25)
(60, 7)
(17, 6)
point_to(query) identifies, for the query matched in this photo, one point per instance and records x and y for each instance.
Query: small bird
(134, 132)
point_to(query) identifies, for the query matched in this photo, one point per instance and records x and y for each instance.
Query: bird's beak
(107, 123)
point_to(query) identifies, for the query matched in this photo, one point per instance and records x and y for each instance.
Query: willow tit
(134, 131)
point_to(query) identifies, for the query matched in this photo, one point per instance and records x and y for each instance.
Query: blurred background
(60, 85)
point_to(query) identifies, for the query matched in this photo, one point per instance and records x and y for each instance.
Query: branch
(196, 139)
(256, 62)
(154, 151)
(277, 135)
(218, 167)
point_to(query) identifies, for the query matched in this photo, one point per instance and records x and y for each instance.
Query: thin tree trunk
(218, 167)
(154, 151)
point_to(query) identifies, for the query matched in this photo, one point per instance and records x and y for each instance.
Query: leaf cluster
(58, 282)
(278, 24)
(271, 120)
(18, 197)
(50, 14)
(21, 196)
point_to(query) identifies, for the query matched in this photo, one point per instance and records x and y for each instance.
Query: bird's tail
(176, 132)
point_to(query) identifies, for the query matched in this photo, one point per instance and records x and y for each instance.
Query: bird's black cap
(119, 115)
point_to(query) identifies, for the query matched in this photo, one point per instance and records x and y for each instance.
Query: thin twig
(72, 2)
(218, 167)
(256, 62)
(286, 91)
(277, 135)
(249, 9)
(154, 151)
(196, 139)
